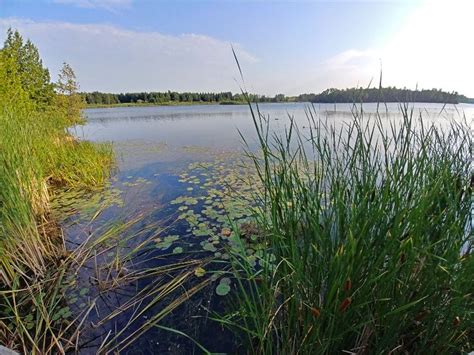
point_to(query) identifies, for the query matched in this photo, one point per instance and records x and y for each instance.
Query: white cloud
(108, 58)
(110, 5)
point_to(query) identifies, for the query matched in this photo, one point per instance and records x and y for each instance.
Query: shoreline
(236, 103)
(171, 103)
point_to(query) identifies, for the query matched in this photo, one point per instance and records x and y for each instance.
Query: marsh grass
(37, 155)
(369, 225)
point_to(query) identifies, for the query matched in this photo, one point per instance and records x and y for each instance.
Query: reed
(369, 233)
(37, 157)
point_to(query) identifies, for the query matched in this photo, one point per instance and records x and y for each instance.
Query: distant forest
(99, 98)
(388, 94)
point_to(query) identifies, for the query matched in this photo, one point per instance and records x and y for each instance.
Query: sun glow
(433, 48)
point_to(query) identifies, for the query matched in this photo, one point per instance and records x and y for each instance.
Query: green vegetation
(46, 176)
(38, 156)
(388, 94)
(148, 104)
(173, 98)
(370, 227)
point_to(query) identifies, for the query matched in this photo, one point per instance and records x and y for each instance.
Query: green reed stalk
(369, 227)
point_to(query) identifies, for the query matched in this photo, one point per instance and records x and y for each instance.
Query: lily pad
(209, 247)
(177, 250)
(222, 289)
(226, 280)
(199, 272)
(166, 243)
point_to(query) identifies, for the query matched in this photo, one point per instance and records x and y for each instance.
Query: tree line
(387, 94)
(100, 98)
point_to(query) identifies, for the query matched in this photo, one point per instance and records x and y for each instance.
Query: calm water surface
(178, 129)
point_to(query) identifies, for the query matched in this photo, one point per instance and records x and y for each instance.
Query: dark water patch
(186, 216)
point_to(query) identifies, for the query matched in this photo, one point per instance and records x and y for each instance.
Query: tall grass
(37, 155)
(369, 237)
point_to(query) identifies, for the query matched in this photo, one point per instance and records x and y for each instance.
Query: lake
(178, 167)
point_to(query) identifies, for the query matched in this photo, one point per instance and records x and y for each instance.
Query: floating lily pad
(225, 256)
(177, 250)
(252, 260)
(202, 232)
(199, 272)
(209, 247)
(222, 289)
(166, 242)
(191, 201)
(226, 280)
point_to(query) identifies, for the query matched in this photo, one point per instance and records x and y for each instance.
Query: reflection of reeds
(369, 227)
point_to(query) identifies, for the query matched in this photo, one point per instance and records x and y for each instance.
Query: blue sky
(284, 46)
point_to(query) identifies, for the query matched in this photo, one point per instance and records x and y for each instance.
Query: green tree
(68, 98)
(11, 89)
(25, 63)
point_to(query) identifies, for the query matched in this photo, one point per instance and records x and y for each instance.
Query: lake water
(173, 164)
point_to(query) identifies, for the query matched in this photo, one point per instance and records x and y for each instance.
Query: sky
(289, 47)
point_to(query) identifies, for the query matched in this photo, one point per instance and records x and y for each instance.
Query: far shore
(194, 103)
(170, 103)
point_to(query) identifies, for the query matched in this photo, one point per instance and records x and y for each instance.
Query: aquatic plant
(370, 225)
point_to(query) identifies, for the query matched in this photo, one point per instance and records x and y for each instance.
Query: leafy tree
(68, 98)
(24, 62)
(12, 93)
